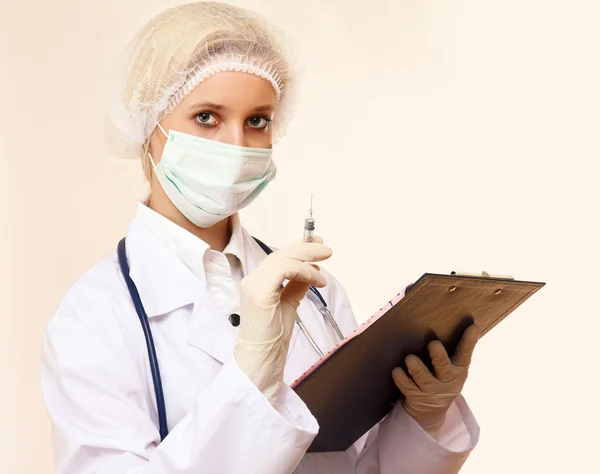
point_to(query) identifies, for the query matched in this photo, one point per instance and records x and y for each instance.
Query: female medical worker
(204, 88)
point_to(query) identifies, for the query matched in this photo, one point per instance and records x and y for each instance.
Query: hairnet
(178, 49)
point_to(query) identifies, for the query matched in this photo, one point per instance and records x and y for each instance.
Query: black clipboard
(351, 389)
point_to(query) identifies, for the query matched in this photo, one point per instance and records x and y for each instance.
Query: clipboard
(350, 389)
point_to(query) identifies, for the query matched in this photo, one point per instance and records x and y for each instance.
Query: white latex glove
(430, 395)
(268, 314)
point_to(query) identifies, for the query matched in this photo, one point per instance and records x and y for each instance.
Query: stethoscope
(314, 295)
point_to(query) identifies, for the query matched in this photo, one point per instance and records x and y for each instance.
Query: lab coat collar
(165, 284)
(237, 242)
(190, 249)
(163, 281)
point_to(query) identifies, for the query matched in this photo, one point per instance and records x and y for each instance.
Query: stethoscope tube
(320, 301)
(153, 358)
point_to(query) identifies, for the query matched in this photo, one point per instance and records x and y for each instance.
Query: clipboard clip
(482, 274)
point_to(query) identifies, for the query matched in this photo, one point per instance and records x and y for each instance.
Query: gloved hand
(268, 314)
(429, 396)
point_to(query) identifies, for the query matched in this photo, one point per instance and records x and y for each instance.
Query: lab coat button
(234, 319)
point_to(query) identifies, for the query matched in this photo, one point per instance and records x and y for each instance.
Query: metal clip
(484, 275)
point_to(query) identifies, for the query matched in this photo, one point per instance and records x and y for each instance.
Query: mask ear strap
(148, 153)
(151, 160)
(146, 146)
(163, 130)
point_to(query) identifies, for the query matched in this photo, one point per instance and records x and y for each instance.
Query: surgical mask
(209, 181)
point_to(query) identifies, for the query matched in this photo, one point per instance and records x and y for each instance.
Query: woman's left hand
(429, 396)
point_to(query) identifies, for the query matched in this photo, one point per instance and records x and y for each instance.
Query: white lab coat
(98, 388)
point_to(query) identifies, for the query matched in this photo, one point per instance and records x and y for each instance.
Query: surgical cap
(176, 51)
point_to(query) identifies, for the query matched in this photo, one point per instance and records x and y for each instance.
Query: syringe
(309, 224)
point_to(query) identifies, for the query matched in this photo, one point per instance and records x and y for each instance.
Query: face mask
(209, 181)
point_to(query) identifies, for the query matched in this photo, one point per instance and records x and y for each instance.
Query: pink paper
(351, 336)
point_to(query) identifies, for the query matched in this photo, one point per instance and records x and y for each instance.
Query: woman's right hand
(268, 313)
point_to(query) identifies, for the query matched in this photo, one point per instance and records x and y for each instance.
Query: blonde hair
(173, 53)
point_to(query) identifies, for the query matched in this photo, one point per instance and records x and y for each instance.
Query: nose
(233, 134)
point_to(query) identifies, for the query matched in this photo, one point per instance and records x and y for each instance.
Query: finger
(293, 270)
(464, 351)
(404, 383)
(294, 292)
(419, 372)
(303, 252)
(444, 370)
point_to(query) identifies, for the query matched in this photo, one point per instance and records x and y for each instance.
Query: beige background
(439, 135)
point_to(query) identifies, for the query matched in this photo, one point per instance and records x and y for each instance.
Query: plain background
(435, 135)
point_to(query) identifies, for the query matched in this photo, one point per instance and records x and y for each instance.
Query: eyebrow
(263, 108)
(212, 105)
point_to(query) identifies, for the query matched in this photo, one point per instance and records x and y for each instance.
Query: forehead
(234, 89)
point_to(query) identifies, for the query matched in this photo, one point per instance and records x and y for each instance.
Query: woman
(206, 87)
